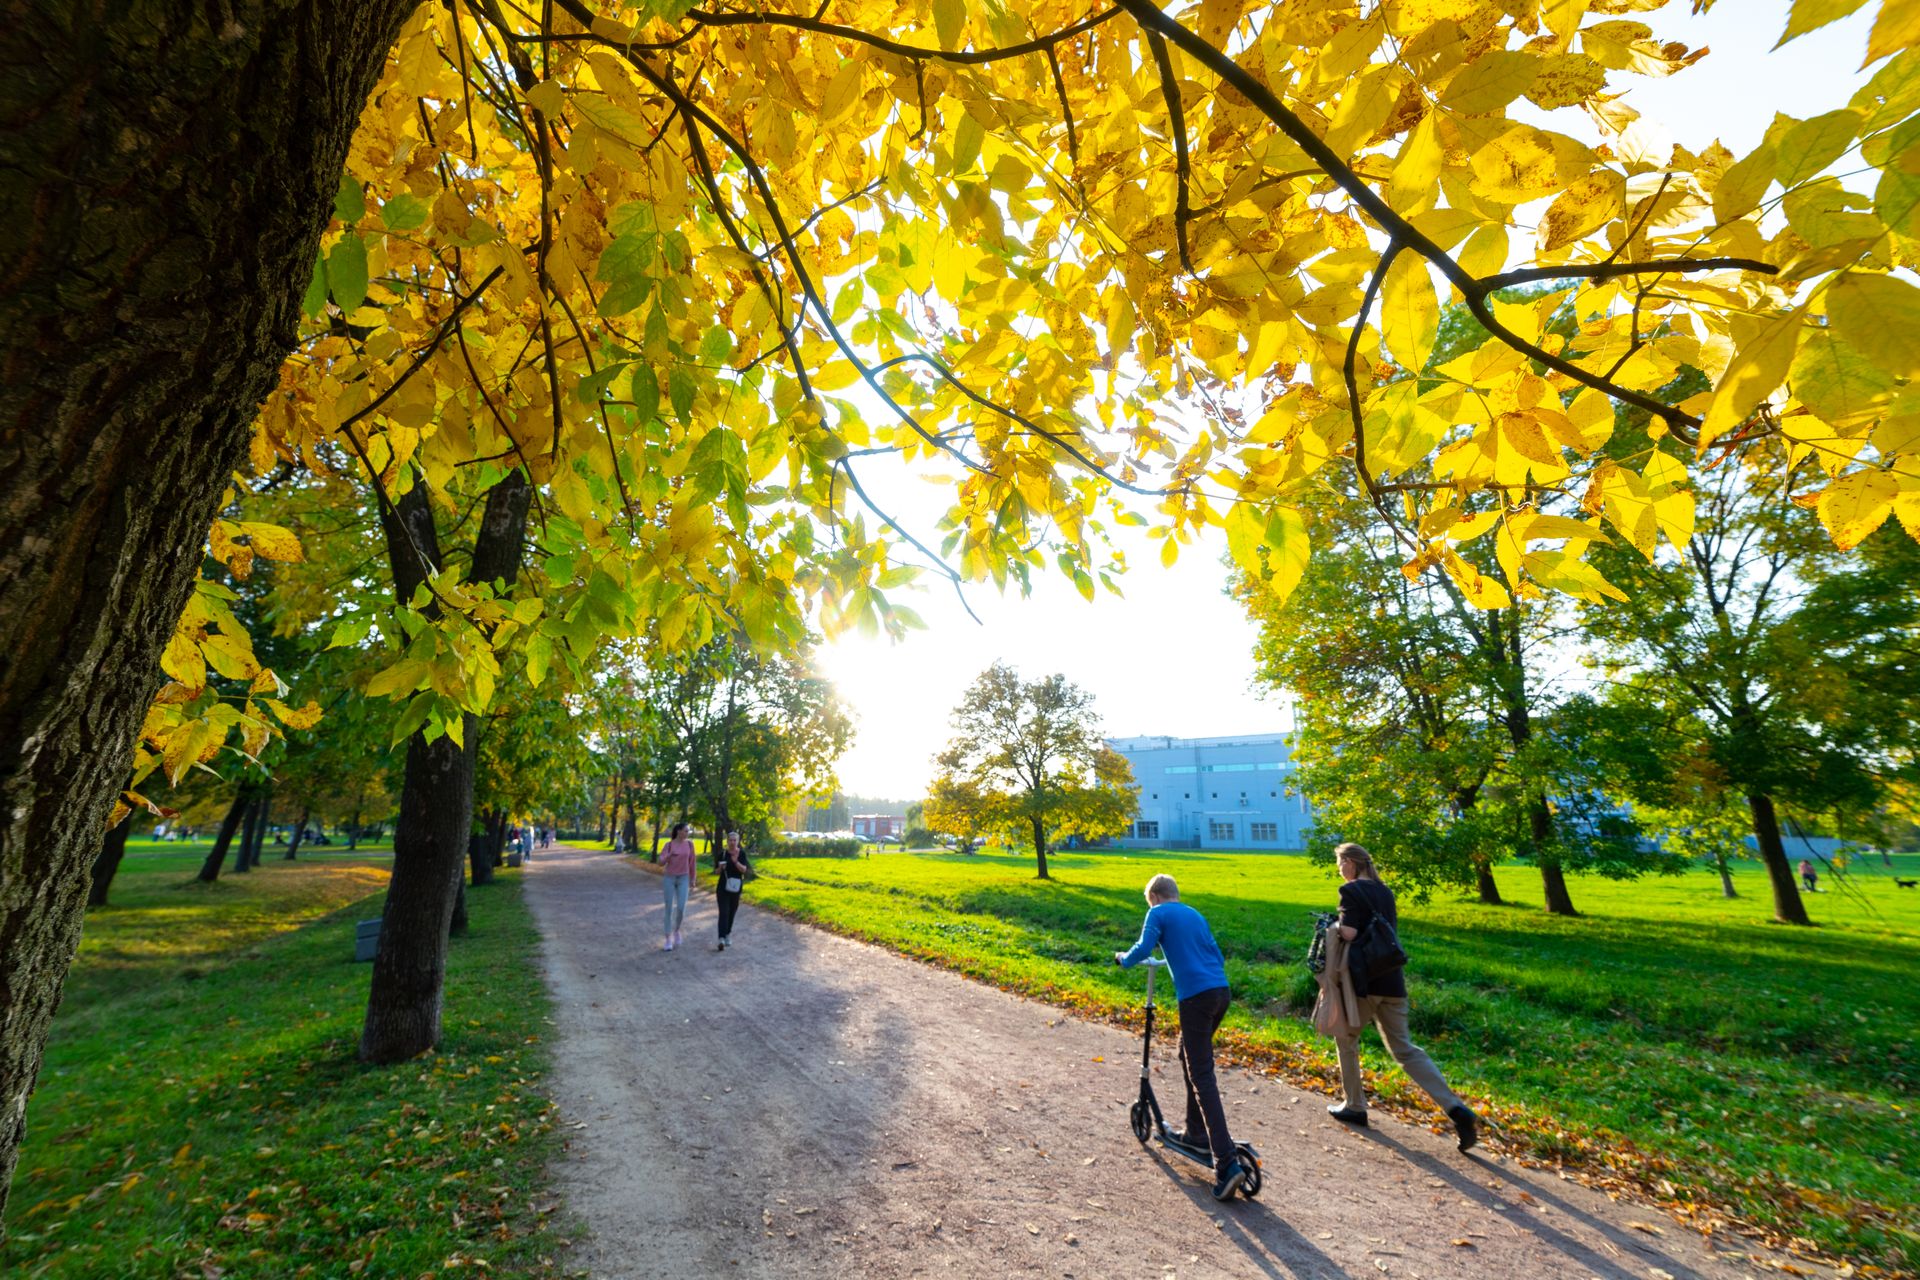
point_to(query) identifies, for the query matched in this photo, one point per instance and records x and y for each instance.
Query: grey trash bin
(513, 859)
(366, 940)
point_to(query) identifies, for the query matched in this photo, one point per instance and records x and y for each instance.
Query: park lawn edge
(1591, 1155)
(178, 1173)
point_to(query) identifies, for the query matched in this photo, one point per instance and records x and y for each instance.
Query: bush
(816, 847)
(917, 838)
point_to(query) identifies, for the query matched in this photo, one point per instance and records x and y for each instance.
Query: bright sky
(1174, 655)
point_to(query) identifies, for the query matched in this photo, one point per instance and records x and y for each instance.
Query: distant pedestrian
(732, 867)
(1808, 876)
(1382, 1000)
(676, 861)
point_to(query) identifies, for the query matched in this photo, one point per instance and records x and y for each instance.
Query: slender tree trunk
(112, 849)
(457, 925)
(253, 834)
(210, 869)
(1726, 876)
(497, 836)
(653, 854)
(1787, 906)
(353, 833)
(436, 796)
(169, 170)
(633, 832)
(1484, 882)
(299, 832)
(1040, 846)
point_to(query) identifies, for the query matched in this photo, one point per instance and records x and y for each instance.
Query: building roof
(1160, 743)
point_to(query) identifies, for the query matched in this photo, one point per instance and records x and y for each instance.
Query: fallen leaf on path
(1465, 1244)
(1528, 1197)
(1032, 1230)
(1647, 1227)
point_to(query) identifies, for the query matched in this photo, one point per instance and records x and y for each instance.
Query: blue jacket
(1193, 957)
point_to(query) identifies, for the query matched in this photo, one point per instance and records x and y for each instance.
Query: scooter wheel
(1142, 1121)
(1250, 1186)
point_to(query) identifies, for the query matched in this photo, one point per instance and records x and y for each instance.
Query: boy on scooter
(1200, 983)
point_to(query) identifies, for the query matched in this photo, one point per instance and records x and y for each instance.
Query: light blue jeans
(676, 891)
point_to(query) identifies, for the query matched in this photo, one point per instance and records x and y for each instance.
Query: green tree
(1787, 665)
(1027, 759)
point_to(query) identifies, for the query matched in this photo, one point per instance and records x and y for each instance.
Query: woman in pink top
(676, 860)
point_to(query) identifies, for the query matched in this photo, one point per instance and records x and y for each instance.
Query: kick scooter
(1148, 1123)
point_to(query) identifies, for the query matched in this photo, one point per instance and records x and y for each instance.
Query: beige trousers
(1389, 1013)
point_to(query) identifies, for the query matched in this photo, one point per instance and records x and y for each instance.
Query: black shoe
(1185, 1138)
(1229, 1180)
(1349, 1115)
(1466, 1126)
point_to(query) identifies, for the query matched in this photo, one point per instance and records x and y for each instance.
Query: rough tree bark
(112, 849)
(252, 832)
(436, 796)
(166, 170)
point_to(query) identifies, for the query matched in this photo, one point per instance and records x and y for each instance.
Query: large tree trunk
(299, 832)
(1484, 882)
(169, 169)
(436, 796)
(1787, 906)
(1040, 846)
(210, 868)
(112, 849)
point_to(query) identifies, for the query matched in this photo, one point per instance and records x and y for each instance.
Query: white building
(1214, 793)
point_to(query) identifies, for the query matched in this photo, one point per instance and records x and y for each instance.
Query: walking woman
(676, 861)
(1383, 1002)
(731, 867)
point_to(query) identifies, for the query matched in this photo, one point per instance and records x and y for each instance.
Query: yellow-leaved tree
(641, 287)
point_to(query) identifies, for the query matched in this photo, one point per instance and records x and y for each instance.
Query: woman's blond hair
(1359, 857)
(1162, 888)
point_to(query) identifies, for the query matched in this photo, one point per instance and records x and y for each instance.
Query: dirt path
(803, 1105)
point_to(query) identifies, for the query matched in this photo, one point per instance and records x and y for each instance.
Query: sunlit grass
(1769, 1068)
(201, 1111)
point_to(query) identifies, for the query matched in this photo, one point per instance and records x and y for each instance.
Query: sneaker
(667, 945)
(1466, 1126)
(1229, 1179)
(1185, 1138)
(1356, 1116)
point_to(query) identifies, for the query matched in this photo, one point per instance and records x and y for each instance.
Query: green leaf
(715, 345)
(403, 213)
(624, 269)
(593, 388)
(315, 299)
(350, 632)
(347, 271)
(349, 202)
(680, 391)
(645, 394)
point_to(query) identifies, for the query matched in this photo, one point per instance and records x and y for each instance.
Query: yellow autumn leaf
(271, 541)
(1585, 206)
(305, 718)
(1490, 81)
(1855, 505)
(1878, 316)
(1409, 312)
(1897, 28)
(1760, 364)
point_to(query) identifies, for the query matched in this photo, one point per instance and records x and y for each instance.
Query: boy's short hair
(1163, 888)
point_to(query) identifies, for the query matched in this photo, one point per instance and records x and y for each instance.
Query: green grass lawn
(1669, 1035)
(201, 1113)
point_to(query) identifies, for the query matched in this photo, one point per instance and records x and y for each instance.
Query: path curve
(806, 1105)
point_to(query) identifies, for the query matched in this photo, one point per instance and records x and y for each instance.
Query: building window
(1146, 830)
(1272, 795)
(1156, 795)
(1269, 831)
(1219, 831)
(1216, 795)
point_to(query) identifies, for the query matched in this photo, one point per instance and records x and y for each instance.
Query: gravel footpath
(805, 1105)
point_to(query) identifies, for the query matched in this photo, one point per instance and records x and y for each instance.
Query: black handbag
(1377, 951)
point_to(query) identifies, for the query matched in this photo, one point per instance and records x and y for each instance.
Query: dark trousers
(729, 903)
(1200, 1016)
